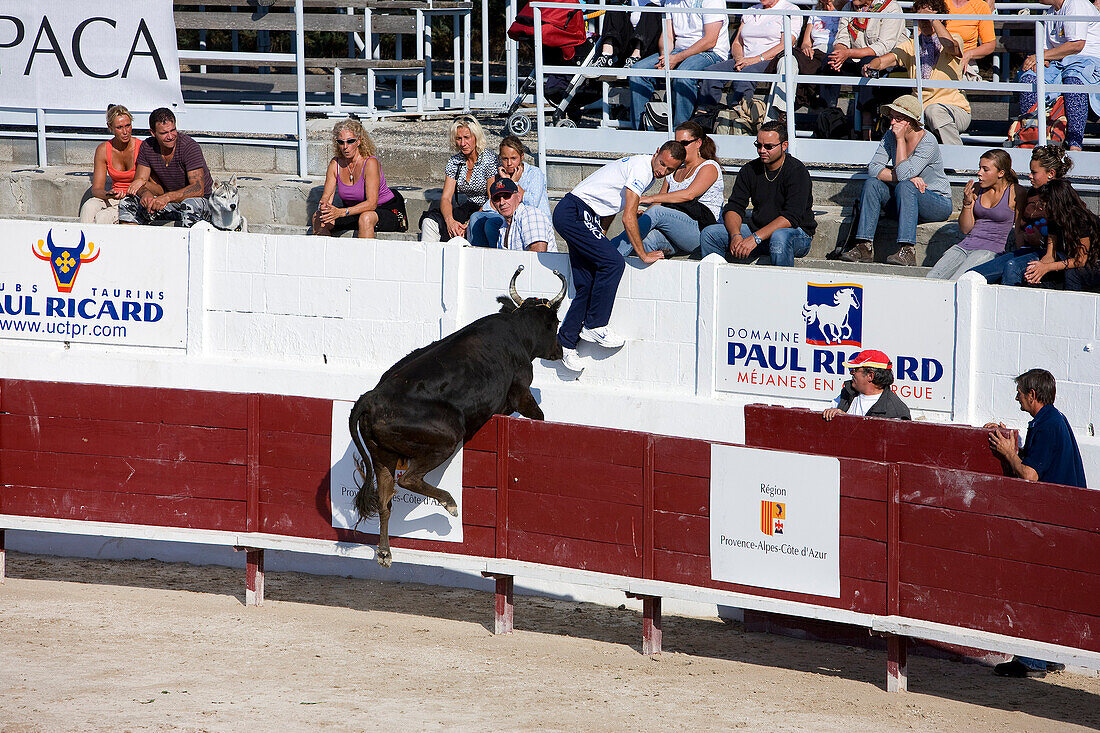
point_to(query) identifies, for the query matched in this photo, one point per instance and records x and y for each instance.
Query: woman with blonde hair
(989, 214)
(367, 204)
(466, 186)
(115, 159)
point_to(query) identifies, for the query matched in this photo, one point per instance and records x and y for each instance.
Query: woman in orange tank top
(115, 159)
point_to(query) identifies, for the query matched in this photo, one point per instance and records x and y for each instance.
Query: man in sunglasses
(782, 223)
(868, 392)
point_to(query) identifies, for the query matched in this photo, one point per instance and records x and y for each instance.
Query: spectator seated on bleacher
(946, 111)
(756, 48)
(367, 204)
(979, 37)
(1070, 257)
(523, 226)
(484, 226)
(907, 176)
(699, 40)
(627, 38)
(858, 41)
(811, 55)
(171, 179)
(781, 192)
(868, 393)
(989, 214)
(114, 159)
(466, 186)
(1047, 163)
(1072, 55)
(690, 199)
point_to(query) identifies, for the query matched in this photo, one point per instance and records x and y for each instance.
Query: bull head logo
(65, 261)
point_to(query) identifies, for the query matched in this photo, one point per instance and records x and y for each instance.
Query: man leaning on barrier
(172, 180)
(781, 192)
(868, 392)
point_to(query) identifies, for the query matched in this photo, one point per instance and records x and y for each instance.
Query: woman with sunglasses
(689, 200)
(367, 204)
(907, 177)
(466, 186)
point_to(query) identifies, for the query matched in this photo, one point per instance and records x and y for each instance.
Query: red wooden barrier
(947, 545)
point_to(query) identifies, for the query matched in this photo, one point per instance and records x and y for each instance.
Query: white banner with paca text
(61, 54)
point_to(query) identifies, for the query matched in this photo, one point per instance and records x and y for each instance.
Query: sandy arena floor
(89, 645)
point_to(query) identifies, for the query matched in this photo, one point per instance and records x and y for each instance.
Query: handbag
(696, 210)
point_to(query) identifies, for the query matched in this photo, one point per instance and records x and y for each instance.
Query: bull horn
(512, 287)
(556, 301)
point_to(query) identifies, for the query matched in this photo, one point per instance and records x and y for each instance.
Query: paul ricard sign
(95, 284)
(786, 334)
(775, 520)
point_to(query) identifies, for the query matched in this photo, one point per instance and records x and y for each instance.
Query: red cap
(870, 358)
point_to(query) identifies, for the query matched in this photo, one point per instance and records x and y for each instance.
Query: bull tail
(367, 502)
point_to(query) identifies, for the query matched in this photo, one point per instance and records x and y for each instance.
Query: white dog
(224, 200)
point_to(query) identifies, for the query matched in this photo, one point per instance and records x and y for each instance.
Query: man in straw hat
(905, 175)
(868, 392)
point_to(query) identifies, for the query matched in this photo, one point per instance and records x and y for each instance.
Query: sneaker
(602, 61)
(630, 61)
(906, 256)
(862, 252)
(571, 360)
(1016, 668)
(603, 337)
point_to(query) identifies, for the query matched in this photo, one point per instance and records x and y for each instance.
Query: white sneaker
(571, 360)
(602, 336)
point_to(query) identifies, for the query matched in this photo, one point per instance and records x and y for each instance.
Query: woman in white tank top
(689, 200)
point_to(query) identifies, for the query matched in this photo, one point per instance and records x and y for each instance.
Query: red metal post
(651, 623)
(896, 646)
(253, 576)
(502, 622)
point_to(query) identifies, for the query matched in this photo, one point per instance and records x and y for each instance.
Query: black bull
(434, 400)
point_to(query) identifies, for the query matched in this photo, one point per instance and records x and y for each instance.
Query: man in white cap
(868, 392)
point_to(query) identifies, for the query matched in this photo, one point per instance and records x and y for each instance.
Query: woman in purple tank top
(987, 218)
(367, 205)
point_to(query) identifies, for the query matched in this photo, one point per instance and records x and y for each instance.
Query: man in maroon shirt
(171, 182)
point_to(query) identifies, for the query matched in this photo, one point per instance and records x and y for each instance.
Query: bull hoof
(385, 559)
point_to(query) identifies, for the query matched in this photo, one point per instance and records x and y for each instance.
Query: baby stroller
(565, 41)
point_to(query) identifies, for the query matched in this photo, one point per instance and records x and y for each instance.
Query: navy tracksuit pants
(597, 268)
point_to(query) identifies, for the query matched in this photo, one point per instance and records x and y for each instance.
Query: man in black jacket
(868, 392)
(782, 224)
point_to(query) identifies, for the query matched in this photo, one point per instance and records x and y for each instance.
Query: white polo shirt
(687, 28)
(1059, 32)
(603, 190)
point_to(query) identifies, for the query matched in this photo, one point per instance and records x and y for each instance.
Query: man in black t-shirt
(782, 223)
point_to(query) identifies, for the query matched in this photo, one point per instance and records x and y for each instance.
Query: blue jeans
(483, 229)
(905, 202)
(662, 228)
(1007, 268)
(782, 246)
(710, 90)
(684, 91)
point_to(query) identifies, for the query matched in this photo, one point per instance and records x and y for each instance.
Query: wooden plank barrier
(929, 547)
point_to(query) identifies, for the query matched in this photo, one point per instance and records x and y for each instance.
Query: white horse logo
(833, 319)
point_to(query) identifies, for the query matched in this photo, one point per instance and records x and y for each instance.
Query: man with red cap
(868, 392)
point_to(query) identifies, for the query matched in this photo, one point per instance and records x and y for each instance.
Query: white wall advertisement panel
(95, 284)
(775, 520)
(413, 516)
(789, 334)
(60, 54)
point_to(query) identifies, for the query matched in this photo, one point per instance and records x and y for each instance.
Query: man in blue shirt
(1050, 454)
(1050, 451)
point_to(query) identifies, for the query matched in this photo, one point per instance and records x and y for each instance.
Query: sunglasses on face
(766, 146)
(687, 142)
(349, 141)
